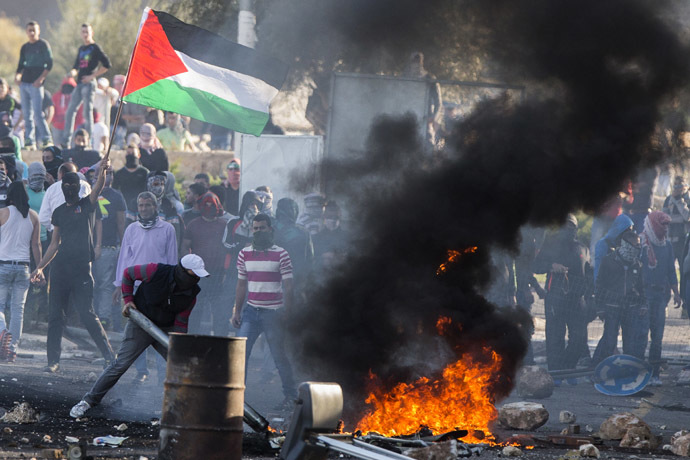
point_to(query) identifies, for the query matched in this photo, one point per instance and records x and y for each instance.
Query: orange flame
(453, 256)
(460, 399)
(442, 324)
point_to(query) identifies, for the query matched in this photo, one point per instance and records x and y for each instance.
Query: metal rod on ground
(252, 418)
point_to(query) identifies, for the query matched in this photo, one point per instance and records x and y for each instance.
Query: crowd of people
(627, 278)
(80, 237)
(39, 117)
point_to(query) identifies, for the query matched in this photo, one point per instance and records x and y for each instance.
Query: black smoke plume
(600, 72)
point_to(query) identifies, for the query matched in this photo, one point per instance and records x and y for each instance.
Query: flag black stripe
(211, 48)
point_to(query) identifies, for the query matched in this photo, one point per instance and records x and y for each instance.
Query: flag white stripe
(240, 89)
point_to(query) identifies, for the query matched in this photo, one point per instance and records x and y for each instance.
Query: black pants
(75, 280)
(564, 312)
(213, 308)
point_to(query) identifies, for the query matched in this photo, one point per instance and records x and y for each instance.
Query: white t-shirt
(98, 130)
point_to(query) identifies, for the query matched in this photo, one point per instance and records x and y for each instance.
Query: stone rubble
(534, 382)
(589, 450)
(567, 417)
(523, 415)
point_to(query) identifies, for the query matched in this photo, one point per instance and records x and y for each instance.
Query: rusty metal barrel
(203, 404)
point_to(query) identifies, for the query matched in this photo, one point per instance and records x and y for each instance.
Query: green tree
(13, 37)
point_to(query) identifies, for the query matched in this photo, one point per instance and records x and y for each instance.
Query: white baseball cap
(194, 263)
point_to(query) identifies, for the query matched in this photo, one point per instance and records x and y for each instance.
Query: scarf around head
(654, 234)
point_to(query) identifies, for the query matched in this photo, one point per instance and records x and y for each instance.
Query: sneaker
(557, 382)
(79, 409)
(655, 382)
(287, 405)
(140, 379)
(52, 368)
(29, 146)
(46, 143)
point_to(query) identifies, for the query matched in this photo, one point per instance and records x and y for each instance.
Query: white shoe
(79, 409)
(655, 382)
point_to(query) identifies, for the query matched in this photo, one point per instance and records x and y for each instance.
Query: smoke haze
(599, 73)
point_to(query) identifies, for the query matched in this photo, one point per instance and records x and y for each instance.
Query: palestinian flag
(188, 70)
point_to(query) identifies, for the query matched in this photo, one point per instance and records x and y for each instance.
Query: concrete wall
(185, 165)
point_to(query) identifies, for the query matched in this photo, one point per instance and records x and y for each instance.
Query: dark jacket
(574, 284)
(619, 285)
(159, 300)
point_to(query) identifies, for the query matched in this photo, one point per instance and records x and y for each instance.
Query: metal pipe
(254, 419)
(147, 325)
(369, 452)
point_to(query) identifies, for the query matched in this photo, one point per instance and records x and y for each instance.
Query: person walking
(72, 247)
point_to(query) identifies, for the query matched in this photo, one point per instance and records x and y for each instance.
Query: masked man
(265, 279)
(620, 299)
(149, 239)
(166, 296)
(204, 236)
(72, 246)
(566, 262)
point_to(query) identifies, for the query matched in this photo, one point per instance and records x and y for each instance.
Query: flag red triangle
(153, 59)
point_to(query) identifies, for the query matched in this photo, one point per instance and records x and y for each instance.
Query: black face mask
(262, 240)
(569, 233)
(183, 279)
(71, 192)
(131, 161)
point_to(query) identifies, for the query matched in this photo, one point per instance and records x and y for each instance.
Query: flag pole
(124, 87)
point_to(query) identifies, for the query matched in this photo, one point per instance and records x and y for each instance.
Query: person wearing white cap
(166, 296)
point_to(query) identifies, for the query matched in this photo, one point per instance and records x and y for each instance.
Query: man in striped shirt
(265, 280)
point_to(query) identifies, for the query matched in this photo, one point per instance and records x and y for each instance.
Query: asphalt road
(139, 407)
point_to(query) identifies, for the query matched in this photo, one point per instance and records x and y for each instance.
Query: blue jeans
(103, 276)
(271, 323)
(633, 323)
(133, 346)
(658, 300)
(14, 284)
(84, 92)
(32, 107)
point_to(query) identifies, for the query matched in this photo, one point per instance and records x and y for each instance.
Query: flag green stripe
(169, 95)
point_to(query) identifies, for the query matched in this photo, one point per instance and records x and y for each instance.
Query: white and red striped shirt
(264, 271)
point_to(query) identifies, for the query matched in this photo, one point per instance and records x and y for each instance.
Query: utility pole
(246, 22)
(246, 35)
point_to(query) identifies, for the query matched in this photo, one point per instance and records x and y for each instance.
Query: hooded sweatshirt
(608, 242)
(295, 239)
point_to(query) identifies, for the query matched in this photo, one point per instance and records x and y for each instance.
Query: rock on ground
(523, 415)
(21, 413)
(617, 425)
(567, 417)
(630, 429)
(589, 450)
(511, 451)
(680, 443)
(534, 382)
(437, 451)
